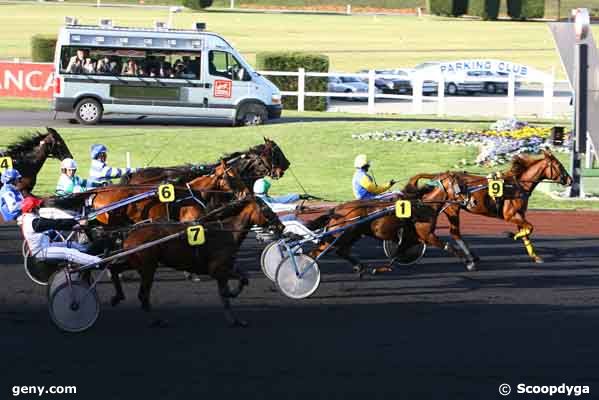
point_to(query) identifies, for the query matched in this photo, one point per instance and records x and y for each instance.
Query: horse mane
(25, 144)
(250, 150)
(521, 163)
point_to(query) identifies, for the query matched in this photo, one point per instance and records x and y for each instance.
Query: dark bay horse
(426, 205)
(265, 159)
(224, 234)
(519, 182)
(201, 194)
(30, 153)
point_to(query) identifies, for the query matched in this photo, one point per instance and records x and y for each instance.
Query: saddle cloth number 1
(5, 163)
(496, 188)
(403, 209)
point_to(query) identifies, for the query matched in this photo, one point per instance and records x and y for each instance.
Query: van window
(163, 64)
(221, 63)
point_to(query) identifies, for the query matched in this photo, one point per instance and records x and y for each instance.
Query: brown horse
(215, 258)
(257, 162)
(426, 205)
(202, 193)
(30, 153)
(519, 183)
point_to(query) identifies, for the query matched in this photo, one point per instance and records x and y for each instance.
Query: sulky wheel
(271, 257)
(38, 271)
(410, 255)
(300, 283)
(74, 307)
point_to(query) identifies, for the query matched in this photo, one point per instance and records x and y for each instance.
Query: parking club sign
(495, 66)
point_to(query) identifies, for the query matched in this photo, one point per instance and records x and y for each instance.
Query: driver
(364, 186)
(279, 203)
(35, 229)
(10, 197)
(99, 172)
(69, 182)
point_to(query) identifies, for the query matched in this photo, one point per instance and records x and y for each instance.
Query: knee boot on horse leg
(531, 250)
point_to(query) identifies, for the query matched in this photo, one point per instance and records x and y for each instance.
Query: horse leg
(525, 229)
(453, 216)
(147, 279)
(426, 233)
(118, 287)
(225, 297)
(343, 250)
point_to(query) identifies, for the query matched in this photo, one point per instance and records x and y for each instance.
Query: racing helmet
(97, 149)
(68, 163)
(261, 186)
(361, 161)
(10, 175)
(30, 203)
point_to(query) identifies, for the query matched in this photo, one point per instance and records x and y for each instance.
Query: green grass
(321, 153)
(11, 103)
(352, 43)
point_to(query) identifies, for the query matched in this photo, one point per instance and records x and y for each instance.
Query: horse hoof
(471, 266)
(159, 323)
(238, 323)
(358, 269)
(538, 260)
(115, 300)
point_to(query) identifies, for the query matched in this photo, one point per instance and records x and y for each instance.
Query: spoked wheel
(271, 257)
(301, 282)
(74, 307)
(409, 255)
(390, 247)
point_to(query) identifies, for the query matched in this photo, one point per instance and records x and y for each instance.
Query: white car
(348, 84)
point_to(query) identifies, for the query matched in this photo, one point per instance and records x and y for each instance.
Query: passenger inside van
(130, 68)
(76, 62)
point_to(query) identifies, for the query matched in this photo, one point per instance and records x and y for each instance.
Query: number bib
(496, 188)
(5, 163)
(195, 235)
(166, 193)
(403, 209)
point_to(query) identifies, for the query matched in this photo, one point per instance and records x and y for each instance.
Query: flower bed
(496, 147)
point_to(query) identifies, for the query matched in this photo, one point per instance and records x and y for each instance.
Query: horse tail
(412, 185)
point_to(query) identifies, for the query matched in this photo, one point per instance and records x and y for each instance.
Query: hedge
(291, 61)
(453, 8)
(525, 9)
(197, 4)
(42, 48)
(486, 9)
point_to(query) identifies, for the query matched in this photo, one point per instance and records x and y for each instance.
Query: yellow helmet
(360, 161)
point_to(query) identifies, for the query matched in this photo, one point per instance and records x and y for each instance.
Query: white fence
(417, 97)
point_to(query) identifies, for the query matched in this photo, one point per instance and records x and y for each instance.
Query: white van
(172, 72)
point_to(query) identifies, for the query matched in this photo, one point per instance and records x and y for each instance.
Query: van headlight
(276, 99)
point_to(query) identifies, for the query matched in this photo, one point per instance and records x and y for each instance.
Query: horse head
(274, 156)
(54, 145)
(554, 170)
(228, 179)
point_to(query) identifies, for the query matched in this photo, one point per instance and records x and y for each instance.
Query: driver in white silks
(35, 230)
(277, 203)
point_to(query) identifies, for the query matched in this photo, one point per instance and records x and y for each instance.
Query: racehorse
(30, 153)
(216, 257)
(426, 204)
(257, 162)
(519, 182)
(202, 193)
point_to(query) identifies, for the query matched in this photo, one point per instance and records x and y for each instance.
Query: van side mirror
(242, 75)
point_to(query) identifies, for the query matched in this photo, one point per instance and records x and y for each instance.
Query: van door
(228, 80)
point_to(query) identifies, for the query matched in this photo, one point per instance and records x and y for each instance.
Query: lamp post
(581, 28)
(171, 11)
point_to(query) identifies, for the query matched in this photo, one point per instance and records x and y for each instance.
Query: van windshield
(163, 64)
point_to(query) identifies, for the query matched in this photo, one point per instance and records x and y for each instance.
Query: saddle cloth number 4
(5, 163)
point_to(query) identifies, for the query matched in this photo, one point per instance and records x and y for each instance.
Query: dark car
(493, 86)
(391, 85)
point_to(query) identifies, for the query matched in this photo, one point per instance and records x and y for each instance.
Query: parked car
(348, 84)
(388, 85)
(493, 87)
(428, 86)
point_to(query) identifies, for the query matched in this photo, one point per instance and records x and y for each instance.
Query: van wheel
(452, 89)
(88, 111)
(252, 114)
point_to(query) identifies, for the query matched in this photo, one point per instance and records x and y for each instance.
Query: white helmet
(68, 163)
(261, 186)
(360, 161)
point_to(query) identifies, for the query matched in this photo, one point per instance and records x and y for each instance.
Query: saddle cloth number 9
(496, 188)
(5, 163)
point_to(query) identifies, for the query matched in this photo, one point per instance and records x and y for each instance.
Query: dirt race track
(429, 331)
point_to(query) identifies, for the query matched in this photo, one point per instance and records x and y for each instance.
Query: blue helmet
(10, 175)
(97, 149)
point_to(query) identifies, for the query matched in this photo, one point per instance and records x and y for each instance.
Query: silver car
(348, 84)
